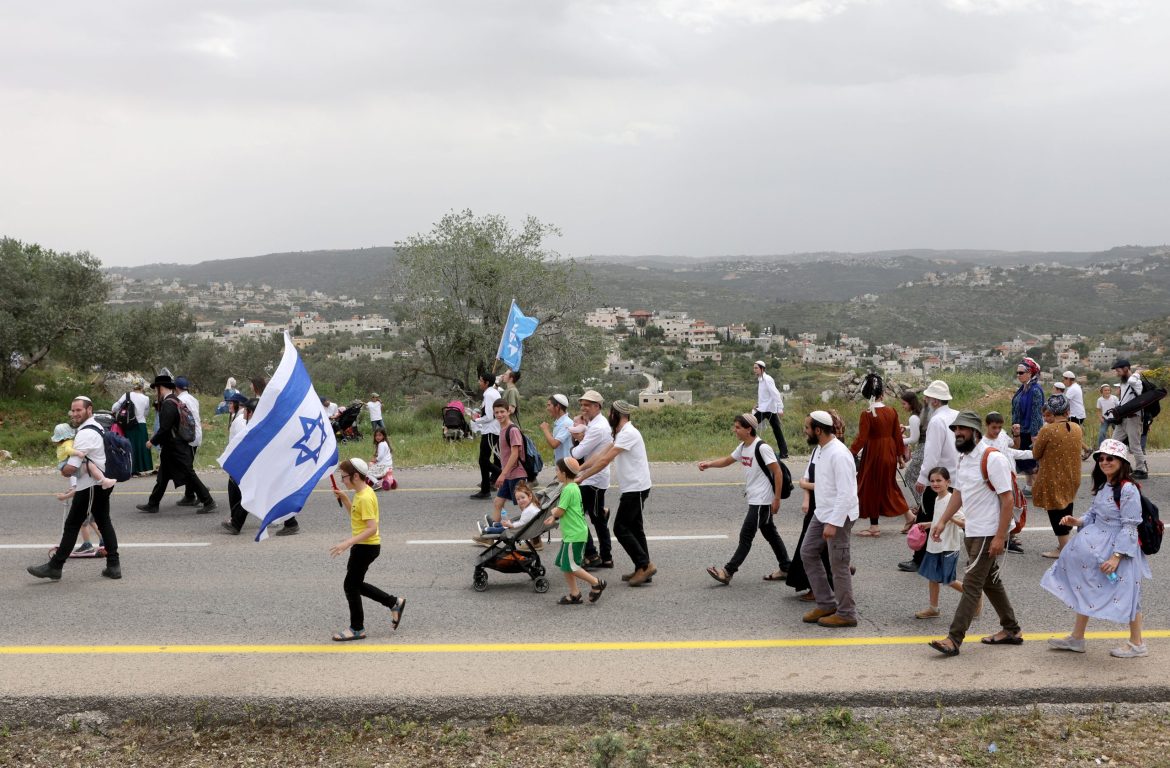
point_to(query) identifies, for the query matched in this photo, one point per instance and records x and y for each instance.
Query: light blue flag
(518, 328)
(286, 449)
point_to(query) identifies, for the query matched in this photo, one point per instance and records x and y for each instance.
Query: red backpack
(1019, 501)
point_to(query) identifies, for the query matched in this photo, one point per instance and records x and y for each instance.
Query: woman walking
(879, 444)
(912, 452)
(1099, 574)
(1058, 449)
(1027, 415)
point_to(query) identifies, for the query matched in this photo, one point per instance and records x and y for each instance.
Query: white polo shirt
(980, 504)
(758, 488)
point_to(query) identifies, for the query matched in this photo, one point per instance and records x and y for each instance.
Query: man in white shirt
(830, 527)
(89, 497)
(1105, 403)
(141, 458)
(769, 405)
(1129, 431)
(938, 450)
(239, 411)
(489, 436)
(986, 501)
(763, 480)
(182, 386)
(596, 440)
(631, 470)
(374, 407)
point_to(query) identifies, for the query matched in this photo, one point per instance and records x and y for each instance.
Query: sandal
(778, 575)
(906, 528)
(720, 575)
(396, 612)
(870, 533)
(996, 639)
(945, 650)
(348, 634)
(595, 593)
(570, 600)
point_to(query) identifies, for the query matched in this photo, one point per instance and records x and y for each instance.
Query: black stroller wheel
(540, 585)
(479, 580)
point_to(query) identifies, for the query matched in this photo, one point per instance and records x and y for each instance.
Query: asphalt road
(201, 616)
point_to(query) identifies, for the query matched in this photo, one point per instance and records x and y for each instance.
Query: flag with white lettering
(517, 328)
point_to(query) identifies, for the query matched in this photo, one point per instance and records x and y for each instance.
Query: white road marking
(558, 541)
(120, 545)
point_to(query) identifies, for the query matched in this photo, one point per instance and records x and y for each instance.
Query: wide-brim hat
(63, 432)
(239, 398)
(1113, 447)
(968, 419)
(1121, 362)
(593, 396)
(163, 380)
(937, 389)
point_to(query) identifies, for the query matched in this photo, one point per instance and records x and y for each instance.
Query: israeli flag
(518, 328)
(287, 448)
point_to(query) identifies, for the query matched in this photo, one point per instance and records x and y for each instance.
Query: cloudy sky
(147, 131)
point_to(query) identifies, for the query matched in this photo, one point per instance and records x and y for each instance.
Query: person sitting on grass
(574, 532)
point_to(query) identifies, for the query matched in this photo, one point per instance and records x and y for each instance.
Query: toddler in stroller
(455, 426)
(504, 553)
(345, 426)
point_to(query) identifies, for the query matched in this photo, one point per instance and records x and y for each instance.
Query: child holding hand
(574, 534)
(940, 565)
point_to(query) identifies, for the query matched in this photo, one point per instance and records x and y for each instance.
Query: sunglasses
(1020, 373)
(1105, 457)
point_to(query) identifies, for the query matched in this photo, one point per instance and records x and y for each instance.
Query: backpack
(785, 476)
(125, 417)
(119, 458)
(1151, 411)
(1149, 530)
(185, 428)
(1019, 500)
(531, 460)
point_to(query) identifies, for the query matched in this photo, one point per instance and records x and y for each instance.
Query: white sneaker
(1067, 644)
(1130, 651)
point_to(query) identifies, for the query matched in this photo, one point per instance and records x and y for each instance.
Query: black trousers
(925, 515)
(797, 578)
(759, 517)
(489, 462)
(92, 501)
(238, 513)
(1054, 518)
(628, 528)
(774, 420)
(593, 501)
(178, 468)
(360, 558)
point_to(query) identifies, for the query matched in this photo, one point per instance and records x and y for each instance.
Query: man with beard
(176, 459)
(938, 450)
(983, 489)
(832, 521)
(596, 440)
(90, 498)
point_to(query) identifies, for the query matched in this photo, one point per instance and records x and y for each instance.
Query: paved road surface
(203, 616)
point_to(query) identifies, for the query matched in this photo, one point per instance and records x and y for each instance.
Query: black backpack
(1151, 411)
(119, 458)
(1150, 528)
(125, 417)
(786, 476)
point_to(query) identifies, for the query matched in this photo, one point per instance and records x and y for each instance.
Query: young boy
(574, 533)
(1005, 444)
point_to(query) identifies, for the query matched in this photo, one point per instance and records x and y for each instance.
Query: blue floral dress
(1076, 578)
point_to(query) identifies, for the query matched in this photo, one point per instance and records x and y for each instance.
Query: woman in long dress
(914, 440)
(879, 443)
(1099, 573)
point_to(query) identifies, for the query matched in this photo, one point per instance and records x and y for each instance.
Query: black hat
(1121, 362)
(163, 380)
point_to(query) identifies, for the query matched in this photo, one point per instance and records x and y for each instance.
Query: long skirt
(140, 458)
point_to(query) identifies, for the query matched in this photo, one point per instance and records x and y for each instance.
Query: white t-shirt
(331, 410)
(631, 468)
(1106, 404)
(239, 425)
(952, 535)
(758, 488)
(836, 484)
(1076, 401)
(375, 409)
(486, 424)
(383, 460)
(1003, 444)
(89, 442)
(526, 515)
(192, 402)
(980, 504)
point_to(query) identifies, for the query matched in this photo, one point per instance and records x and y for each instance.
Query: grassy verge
(680, 433)
(829, 737)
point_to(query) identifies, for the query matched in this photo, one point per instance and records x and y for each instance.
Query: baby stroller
(504, 554)
(455, 426)
(345, 426)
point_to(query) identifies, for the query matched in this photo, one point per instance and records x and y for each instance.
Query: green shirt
(573, 528)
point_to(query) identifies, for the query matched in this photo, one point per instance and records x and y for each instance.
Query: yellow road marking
(665, 645)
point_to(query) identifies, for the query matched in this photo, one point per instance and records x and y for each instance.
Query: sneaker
(1067, 644)
(112, 572)
(146, 508)
(85, 548)
(46, 571)
(480, 495)
(927, 613)
(642, 575)
(227, 526)
(836, 622)
(287, 530)
(206, 508)
(1139, 474)
(1014, 545)
(185, 502)
(908, 566)
(1130, 651)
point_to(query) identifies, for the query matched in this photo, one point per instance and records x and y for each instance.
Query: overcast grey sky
(183, 131)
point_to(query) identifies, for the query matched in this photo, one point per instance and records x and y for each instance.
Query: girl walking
(939, 565)
(364, 547)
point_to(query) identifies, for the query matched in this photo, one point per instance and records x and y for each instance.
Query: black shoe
(46, 571)
(1140, 474)
(146, 508)
(112, 572)
(208, 507)
(287, 531)
(908, 566)
(187, 502)
(1013, 545)
(227, 526)
(481, 495)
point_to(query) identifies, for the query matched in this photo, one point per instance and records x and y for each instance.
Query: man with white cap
(489, 437)
(831, 525)
(769, 405)
(597, 438)
(1076, 398)
(983, 490)
(1129, 431)
(938, 451)
(631, 469)
(557, 434)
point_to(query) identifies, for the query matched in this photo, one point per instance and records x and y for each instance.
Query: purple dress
(1076, 578)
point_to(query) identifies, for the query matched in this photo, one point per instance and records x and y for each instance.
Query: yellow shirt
(63, 450)
(365, 507)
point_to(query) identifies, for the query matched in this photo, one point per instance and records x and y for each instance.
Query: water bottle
(1112, 577)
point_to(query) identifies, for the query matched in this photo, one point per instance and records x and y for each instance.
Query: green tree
(461, 278)
(139, 339)
(46, 298)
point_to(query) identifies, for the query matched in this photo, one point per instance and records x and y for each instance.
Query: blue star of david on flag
(310, 426)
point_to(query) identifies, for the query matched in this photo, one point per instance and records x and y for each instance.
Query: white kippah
(822, 417)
